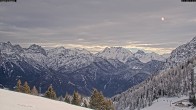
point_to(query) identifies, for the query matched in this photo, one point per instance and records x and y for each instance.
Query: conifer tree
(67, 98)
(50, 93)
(18, 86)
(26, 88)
(109, 105)
(34, 91)
(97, 100)
(76, 98)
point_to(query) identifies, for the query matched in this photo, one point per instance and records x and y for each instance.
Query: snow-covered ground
(167, 104)
(10, 100)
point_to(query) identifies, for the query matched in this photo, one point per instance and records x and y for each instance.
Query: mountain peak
(7, 47)
(140, 52)
(183, 52)
(9, 43)
(193, 40)
(81, 51)
(146, 57)
(34, 46)
(36, 49)
(117, 49)
(6, 43)
(119, 53)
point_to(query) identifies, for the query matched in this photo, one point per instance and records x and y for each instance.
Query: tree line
(25, 88)
(172, 82)
(97, 101)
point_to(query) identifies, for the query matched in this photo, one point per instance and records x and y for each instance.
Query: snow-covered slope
(119, 53)
(123, 55)
(169, 83)
(183, 52)
(36, 53)
(18, 101)
(173, 80)
(63, 60)
(146, 57)
(168, 104)
(9, 49)
(58, 59)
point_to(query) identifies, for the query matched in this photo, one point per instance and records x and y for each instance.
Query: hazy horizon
(133, 50)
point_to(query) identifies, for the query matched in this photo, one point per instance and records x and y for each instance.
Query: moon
(162, 19)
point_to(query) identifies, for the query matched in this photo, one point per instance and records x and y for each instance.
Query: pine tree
(50, 93)
(97, 100)
(34, 91)
(26, 88)
(109, 105)
(67, 98)
(18, 86)
(174, 81)
(94, 99)
(76, 98)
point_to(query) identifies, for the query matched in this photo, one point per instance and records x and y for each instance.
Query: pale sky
(155, 25)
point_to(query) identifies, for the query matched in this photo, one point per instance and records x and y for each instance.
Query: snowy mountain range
(146, 57)
(119, 53)
(173, 81)
(123, 55)
(112, 71)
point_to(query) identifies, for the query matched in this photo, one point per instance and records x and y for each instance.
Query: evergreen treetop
(67, 98)
(98, 102)
(50, 93)
(26, 88)
(18, 86)
(34, 91)
(76, 98)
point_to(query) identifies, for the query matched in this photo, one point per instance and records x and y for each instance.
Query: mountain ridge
(71, 69)
(173, 80)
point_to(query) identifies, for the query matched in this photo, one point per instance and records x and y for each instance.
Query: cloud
(95, 24)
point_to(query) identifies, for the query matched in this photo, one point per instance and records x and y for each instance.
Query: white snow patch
(167, 104)
(18, 101)
(119, 53)
(106, 84)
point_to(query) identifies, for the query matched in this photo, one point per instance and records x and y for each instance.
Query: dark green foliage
(76, 99)
(109, 105)
(98, 102)
(18, 86)
(50, 93)
(26, 88)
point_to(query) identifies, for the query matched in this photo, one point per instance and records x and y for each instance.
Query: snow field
(10, 100)
(167, 104)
